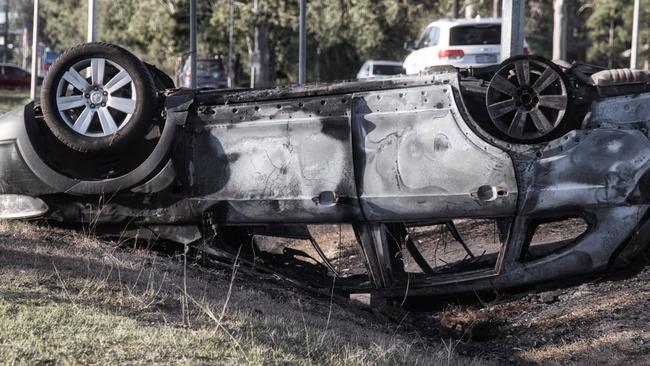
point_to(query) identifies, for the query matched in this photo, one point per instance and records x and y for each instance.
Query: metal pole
(32, 93)
(302, 49)
(231, 31)
(192, 43)
(512, 28)
(25, 48)
(559, 29)
(634, 56)
(5, 56)
(92, 20)
(255, 55)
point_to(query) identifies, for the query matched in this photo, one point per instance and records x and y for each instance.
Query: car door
(416, 159)
(276, 161)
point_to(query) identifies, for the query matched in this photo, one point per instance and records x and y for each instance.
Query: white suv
(457, 42)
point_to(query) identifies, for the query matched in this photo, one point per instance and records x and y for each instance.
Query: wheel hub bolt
(103, 104)
(105, 93)
(92, 105)
(87, 96)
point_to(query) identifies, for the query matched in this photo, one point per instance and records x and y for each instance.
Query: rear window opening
(481, 245)
(337, 242)
(552, 236)
(386, 70)
(468, 35)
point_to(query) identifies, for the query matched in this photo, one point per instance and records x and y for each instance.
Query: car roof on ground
(464, 21)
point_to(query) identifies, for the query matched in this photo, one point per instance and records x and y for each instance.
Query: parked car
(210, 73)
(379, 68)
(218, 168)
(14, 77)
(457, 42)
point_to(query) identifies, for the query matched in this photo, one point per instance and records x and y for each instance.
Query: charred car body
(522, 143)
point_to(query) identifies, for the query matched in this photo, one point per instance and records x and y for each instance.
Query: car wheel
(527, 98)
(98, 97)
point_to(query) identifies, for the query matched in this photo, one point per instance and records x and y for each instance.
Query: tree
(608, 32)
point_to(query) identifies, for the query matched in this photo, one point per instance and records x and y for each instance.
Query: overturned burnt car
(113, 144)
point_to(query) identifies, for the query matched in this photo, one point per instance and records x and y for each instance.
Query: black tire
(143, 106)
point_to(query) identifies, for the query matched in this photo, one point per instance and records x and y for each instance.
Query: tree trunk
(261, 57)
(469, 9)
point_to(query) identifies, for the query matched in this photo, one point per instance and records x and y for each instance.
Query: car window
(429, 38)
(466, 35)
(386, 70)
(12, 71)
(209, 65)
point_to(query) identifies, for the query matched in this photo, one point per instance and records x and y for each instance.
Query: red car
(14, 77)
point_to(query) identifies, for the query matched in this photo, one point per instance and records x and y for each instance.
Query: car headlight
(16, 206)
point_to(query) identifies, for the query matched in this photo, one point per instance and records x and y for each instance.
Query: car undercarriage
(515, 146)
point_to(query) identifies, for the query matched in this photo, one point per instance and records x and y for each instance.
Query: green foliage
(143, 27)
(64, 22)
(608, 32)
(341, 33)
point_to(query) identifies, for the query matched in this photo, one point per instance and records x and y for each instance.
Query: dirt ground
(605, 321)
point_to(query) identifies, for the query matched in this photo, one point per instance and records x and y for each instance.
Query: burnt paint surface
(281, 161)
(384, 155)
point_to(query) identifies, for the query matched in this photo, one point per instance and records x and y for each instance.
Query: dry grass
(66, 298)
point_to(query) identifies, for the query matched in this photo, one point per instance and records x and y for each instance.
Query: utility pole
(92, 21)
(231, 31)
(32, 93)
(5, 56)
(560, 25)
(260, 58)
(192, 44)
(634, 56)
(512, 28)
(302, 49)
(255, 55)
(25, 48)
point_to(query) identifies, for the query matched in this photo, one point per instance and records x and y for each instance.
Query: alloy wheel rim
(526, 99)
(99, 104)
